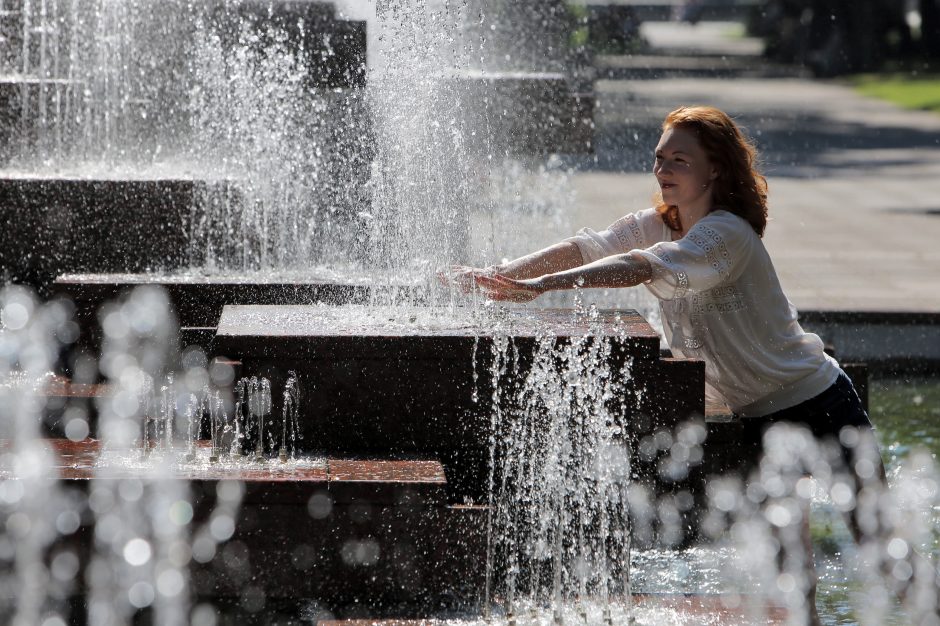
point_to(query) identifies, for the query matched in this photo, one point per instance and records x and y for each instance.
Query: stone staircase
(352, 536)
(379, 389)
(385, 516)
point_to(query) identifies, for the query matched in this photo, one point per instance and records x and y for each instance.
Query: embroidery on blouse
(680, 338)
(722, 299)
(698, 328)
(716, 252)
(630, 222)
(682, 279)
(682, 284)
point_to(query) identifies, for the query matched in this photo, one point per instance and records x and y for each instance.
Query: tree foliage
(834, 37)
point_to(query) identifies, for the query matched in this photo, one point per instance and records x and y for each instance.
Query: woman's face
(683, 170)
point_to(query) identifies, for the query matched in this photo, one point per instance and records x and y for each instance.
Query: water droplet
(222, 527)
(170, 583)
(140, 594)
(181, 512)
(14, 316)
(137, 551)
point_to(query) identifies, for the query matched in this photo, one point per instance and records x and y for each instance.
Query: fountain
(337, 439)
(400, 491)
(141, 126)
(276, 155)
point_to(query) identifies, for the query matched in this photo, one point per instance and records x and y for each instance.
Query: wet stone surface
(366, 470)
(648, 609)
(425, 381)
(335, 529)
(198, 299)
(86, 459)
(316, 322)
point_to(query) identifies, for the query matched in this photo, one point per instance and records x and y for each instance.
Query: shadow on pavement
(794, 144)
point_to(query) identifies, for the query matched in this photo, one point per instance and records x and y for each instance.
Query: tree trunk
(930, 27)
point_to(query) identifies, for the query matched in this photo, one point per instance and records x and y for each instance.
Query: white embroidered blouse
(721, 302)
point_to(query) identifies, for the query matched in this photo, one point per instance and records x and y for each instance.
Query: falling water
(34, 510)
(167, 419)
(83, 94)
(560, 524)
(290, 427)
(209, 92)
(765, 519)
(293, 155)
(385, 182)
(219, 427)
(137, 561)
(140, 525)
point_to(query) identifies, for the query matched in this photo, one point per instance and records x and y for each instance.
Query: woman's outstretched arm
(555, 258)
(620, 270)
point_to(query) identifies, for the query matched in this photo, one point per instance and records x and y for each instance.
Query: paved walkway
(854, 182)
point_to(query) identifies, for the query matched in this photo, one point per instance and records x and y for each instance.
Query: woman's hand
(491, 283)
(463, 277)
(497, 287)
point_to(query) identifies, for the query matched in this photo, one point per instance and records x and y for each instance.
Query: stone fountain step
(400, 385)
(403, 559)
(339, 532)
(100, 225)
(538, 112)
(399, 380)
(129, 223)
(197, 300)
(345, 480)
(70, 224)
(332, 50)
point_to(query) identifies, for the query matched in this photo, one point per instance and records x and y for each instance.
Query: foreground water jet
(392, 506)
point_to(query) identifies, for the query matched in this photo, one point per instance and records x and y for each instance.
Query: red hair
(739, 188)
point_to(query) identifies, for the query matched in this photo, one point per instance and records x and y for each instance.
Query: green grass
(906, 414)
(736, 30)
(911, 92)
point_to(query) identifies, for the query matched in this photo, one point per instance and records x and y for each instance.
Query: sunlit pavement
(854, 182)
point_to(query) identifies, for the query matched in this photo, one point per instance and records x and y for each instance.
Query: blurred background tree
(930, 27)
(833, 37)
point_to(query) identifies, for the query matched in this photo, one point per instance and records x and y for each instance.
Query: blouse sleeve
(713, 252)
(622, 236)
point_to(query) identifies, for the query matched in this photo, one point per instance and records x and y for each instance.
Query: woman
(699, 251)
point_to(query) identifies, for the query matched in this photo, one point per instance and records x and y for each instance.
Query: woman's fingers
(498, 287)
(494, 286)
(459, 275)
(493, 281)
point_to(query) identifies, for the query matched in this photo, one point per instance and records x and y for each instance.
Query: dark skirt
(824, 415)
